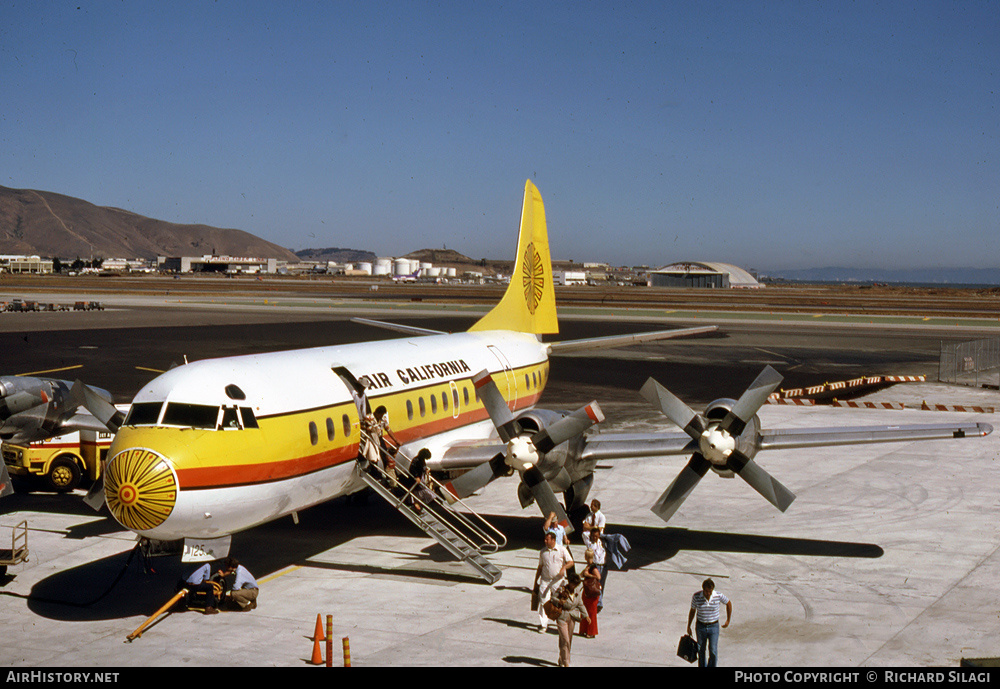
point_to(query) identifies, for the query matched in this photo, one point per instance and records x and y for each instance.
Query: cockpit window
(143, 414)
(249, 420)
(190, 415)
(230, 419)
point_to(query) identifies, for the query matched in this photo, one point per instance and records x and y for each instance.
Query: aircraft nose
(141, 488)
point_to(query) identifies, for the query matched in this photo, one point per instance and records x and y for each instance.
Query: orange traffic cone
(318, 634)
(317, 657)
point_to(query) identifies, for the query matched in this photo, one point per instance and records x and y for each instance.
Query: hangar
(692, 274)
(216, 264)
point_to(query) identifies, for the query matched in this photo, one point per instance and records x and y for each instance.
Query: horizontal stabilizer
(408, 329)
(623, 340)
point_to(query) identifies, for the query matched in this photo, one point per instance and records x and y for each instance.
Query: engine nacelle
(747, 442)
(562, 466)
(36, 408)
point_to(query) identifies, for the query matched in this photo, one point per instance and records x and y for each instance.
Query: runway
(888, 558)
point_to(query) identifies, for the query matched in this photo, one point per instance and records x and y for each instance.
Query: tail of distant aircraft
(529, 304)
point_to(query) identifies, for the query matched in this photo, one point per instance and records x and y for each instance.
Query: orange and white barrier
(843, 385)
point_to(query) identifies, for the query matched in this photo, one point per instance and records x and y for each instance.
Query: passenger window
(434, 404)
(423, 409)
(330, 430)
(454, 396)
(465, 393)
(409, 410)
(444, 401)
(313, 433)
(347, 425)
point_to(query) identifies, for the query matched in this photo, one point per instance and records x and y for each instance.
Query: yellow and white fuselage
(220, 445)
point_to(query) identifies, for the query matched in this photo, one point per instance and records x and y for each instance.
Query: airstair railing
(469, 526)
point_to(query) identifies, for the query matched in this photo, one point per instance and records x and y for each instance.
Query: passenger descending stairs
(467, 536)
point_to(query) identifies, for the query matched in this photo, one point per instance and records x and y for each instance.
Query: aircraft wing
(614, 446)
(611, 446)
(466, 455)
(822, 437)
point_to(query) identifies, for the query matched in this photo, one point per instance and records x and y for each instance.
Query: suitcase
(687, 648)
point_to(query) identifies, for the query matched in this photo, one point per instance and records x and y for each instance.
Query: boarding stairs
(466, 535)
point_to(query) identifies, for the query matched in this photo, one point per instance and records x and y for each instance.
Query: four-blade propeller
(715, 443)
(524, 451)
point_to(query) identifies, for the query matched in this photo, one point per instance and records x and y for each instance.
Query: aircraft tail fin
(529, 304)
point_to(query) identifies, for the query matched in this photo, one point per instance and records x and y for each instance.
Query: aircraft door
(507, 383)
(358, 392)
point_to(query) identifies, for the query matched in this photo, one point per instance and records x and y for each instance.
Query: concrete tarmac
(888, 558)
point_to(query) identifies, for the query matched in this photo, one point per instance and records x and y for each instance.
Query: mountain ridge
(56, 225)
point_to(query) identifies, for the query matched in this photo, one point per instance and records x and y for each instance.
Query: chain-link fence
(975, 363)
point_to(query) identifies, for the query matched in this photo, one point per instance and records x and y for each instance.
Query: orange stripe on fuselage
(228, 475)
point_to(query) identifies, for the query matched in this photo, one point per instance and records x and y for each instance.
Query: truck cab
(62, 461)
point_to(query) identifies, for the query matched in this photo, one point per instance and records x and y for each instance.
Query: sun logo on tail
(532, 277)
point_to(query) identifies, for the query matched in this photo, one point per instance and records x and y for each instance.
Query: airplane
(217, 446)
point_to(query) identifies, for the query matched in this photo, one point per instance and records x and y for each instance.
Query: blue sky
(770, 135)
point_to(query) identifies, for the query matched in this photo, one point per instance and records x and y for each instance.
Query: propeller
(715, 444)
(105, 412)
(98, 405)
(523, 452)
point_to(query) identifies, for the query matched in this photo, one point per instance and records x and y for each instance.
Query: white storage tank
(401, 266)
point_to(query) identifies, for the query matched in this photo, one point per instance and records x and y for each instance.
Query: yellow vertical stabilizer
(529, 304)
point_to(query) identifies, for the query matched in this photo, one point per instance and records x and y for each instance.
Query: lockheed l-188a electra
(218, 446)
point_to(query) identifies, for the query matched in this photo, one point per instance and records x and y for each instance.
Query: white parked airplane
(218, 446)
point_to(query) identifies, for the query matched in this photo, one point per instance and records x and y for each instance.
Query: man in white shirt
(553, 562)
(706, 605)
(595, 520)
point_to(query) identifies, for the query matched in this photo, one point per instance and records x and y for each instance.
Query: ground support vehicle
(62, 461)
(18, 548)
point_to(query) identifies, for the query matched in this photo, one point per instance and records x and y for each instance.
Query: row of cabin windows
(422, 405)
(331, 429)
(531, 381)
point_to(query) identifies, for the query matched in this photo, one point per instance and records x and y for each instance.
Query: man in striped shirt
(705, 604)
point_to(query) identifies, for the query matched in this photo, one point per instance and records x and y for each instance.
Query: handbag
(688, 648)
(535, 595)
(552, 610)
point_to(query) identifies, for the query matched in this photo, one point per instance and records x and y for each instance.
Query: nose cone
(141, 488)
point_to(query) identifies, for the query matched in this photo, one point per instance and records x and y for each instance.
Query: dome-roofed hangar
(695, 274)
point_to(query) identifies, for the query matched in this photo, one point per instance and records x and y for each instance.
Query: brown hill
(53, 225)
(443, 257)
